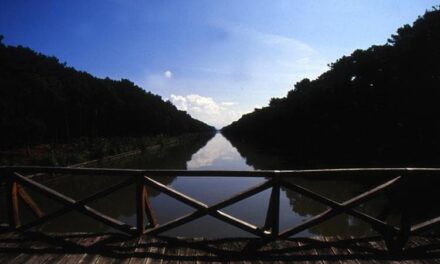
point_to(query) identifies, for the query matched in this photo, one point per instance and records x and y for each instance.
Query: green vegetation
(94, 148)
(42, 101)
(378, 106)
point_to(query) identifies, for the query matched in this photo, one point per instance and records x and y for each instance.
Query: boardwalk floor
(32, 247)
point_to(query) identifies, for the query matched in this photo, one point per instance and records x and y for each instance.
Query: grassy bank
(85, 150)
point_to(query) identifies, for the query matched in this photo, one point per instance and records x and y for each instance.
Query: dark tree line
(43, 100)
(379, 106)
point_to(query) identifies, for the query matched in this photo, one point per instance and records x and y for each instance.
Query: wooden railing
(394, 236)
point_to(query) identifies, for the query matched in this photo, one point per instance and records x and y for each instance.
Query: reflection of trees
(172, 157)
(262, 158)
(421, 190)
(120, 204)
(339, 191)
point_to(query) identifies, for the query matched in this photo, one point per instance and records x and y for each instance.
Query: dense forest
(379, 106)
(45, 101)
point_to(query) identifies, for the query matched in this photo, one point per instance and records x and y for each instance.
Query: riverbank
(88, 151)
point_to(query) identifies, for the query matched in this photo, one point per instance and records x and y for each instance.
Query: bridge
(144, 242)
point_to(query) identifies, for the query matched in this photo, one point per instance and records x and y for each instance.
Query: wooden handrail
(379, 172)
(395, 237)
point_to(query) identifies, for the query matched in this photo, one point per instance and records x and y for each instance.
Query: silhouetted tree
(376, 106)
(43, 100)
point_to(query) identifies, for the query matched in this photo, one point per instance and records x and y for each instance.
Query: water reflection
(218, 154)
(121, 204)
(208, 152)
(173, 157)
(388, 206)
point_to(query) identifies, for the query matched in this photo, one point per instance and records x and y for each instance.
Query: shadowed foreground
(32, 247)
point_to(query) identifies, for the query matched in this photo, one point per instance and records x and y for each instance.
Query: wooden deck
(32, 247)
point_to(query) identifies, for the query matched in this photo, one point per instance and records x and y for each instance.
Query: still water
(205, 153)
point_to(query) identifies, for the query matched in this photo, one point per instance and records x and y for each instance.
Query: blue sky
(214, 59)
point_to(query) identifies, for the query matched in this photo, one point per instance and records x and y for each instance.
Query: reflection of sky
(218, 154)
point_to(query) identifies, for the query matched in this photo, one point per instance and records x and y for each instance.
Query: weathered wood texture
(108, 248)
(394, 236)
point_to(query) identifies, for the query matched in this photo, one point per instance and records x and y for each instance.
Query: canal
(205, 153)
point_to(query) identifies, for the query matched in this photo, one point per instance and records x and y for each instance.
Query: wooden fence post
(12, 201)
(140, 204)
(396, 242)
(273, 211)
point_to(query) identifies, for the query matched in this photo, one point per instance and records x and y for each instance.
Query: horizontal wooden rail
(395, 236)
(353, 172)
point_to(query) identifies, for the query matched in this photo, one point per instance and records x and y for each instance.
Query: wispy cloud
(221, 82)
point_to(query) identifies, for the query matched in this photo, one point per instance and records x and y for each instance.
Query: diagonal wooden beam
(71, 204)
(419, 228)
(175, 223)
(175, 194)
(22, 193)
(69, 208)
(338, 206)
(203, 209)
(329, 213)
(367, 195)
(152, 220)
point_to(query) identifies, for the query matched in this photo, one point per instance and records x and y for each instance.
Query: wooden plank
(309, 252)
(186, 255)
(355, 249)
(22, 258)
(153, 254)
(171, 254)
(116, 249)
(81, 257)
(140, 252)
(339, 251)
(281, 247)
(8, 241)
(129, 247)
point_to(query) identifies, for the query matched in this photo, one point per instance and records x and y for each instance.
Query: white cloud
(168, 74)
(228, 103)
(241, 72)
(207, 109)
